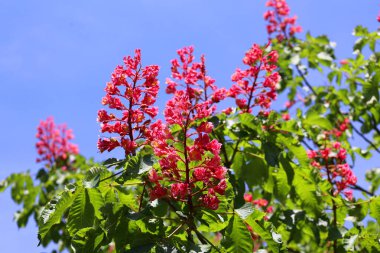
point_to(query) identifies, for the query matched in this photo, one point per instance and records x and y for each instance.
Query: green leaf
(282, 187)
(315, 119)
(87, 240)
(251, 168)
(265, 230)
(92, 177)
(371, 89)
(245, 211)
(306, 190)
(374, 208)
(271, 153)
(86, 206)
(53, 212)
(211, 221)
(237, 237)
(295, 148)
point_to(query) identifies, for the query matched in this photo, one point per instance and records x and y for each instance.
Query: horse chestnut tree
(208, 178)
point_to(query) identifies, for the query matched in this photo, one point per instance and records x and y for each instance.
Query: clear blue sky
(56, 56)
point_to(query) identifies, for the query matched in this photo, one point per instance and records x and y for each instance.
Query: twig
(365, 138)
(142, 196)
(334, 205)
(359, 188)
(176, 230)
(307, 145)
(234, 152)
(199, 235)
(305, 80)
(373, 122)
(113, 175)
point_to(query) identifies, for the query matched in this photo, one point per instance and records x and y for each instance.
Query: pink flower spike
(131, 93)
(54, 143)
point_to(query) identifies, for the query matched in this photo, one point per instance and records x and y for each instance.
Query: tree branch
(305, 80)
(365, 138)
(359, 188)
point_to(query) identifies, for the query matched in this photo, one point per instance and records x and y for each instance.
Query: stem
(130, 129)
(142, 196)
(373, 122)
(176, 230)
(307, 145)
(359, 188)
(333, 203)
(365, 138)
(253, 88)
(204, 240)
(234, 152)
(189, 196)
(305, 80)
(113, 175)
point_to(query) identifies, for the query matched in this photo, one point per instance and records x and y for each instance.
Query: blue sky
(56, 56)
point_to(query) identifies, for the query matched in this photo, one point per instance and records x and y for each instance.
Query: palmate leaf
(53, 212)
(237, 237)
(306, 190)
(85, 208)
(295, 148)
(282, 188)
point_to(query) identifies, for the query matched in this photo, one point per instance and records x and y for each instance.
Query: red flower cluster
(258, 203)
(279, 21)
(193, 78)
(190, 166)
(340, 129)
(256, 89)
(54, 142)
(132, 91)
(332, 159)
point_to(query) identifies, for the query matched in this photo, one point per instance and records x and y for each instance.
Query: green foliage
(106, 207)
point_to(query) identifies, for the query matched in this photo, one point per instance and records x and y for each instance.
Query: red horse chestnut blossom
(132, 92)
(280, 23)
(256, 86)
(190, 167)
(192, 77)
(54, 142)
(331, 160)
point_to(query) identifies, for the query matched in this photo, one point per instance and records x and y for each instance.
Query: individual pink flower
(285, 116)
(157, 192)
(211, 201)
(131, 93)
(348, 193)
(248, 197)
(179, 190)
(289, 104)
(260, 202)
(311, 154)
(54, 143)
(227, 111)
